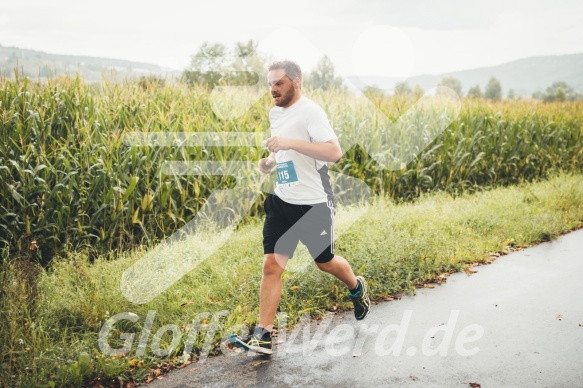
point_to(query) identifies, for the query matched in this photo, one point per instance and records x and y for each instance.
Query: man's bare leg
(270, 293)
(340, 268)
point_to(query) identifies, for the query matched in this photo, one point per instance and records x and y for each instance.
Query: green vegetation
(475, 92)
(215, 64)
(402, 88)
(558, 91)
(323, 76)
(452, 83)
(493, 90)
(68, 181)
(51, 324)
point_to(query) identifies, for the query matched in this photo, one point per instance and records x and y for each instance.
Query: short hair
(292, 69)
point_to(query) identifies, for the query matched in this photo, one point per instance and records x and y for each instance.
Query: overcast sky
(370, 37)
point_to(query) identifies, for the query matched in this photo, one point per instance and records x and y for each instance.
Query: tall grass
(67, 179)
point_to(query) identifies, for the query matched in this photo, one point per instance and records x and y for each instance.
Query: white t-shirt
(302, 180)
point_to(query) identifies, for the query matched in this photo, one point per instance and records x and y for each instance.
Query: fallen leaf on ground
(475, 385)
(257, 363)
(186, 303)
(185, 363)
(156, 372)
(471, 271)
(193, 369)
(357, 354)
(442, 278)
(428, 286)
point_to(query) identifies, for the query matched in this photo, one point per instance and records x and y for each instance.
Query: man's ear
(298, 82)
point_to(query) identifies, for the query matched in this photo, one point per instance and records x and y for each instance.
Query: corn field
(67, 180)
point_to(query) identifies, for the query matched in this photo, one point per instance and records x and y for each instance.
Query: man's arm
(329, 151)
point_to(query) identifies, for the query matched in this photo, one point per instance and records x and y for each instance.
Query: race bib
(286, 174)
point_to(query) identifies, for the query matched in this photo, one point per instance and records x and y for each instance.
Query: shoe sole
(242, 345)
(365, 297)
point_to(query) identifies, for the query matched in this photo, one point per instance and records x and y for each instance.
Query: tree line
(217, 64)
(558, 91)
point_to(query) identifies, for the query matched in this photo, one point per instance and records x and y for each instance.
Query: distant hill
(38, 63)
(525, 76)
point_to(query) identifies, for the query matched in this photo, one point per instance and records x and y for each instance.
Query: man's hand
(266, 164)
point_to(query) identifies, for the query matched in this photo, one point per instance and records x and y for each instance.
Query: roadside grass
(50, 327)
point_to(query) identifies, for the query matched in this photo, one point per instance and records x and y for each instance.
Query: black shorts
(287, 224)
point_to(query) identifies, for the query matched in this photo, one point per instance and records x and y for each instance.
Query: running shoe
(360, 299)
(253, 343)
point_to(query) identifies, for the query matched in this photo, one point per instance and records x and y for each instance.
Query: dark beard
(287, 97)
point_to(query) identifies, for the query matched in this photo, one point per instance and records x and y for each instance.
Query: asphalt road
(515, 323)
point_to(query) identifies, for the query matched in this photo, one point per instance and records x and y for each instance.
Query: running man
(302, 208)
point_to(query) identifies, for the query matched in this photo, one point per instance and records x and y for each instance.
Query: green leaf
(130, 188)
